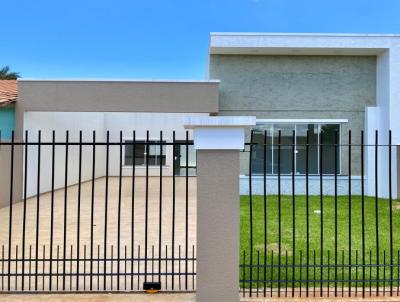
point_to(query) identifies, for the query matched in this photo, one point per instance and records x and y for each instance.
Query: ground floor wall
(358, 124)
(100, 124)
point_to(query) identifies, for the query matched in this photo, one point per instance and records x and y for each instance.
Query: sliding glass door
(273, 152)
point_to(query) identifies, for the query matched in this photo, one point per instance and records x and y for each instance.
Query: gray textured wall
(298, 87)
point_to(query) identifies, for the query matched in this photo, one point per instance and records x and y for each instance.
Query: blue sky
(160, 39)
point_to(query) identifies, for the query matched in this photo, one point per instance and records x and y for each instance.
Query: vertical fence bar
(293, 211)
(37, 214)
(65, 207)
(193, 269)
(329, 271)
(160, 207)
(173, 213)
(376, 212)
(98, 267)
(30, 267)
(152, 263)
(106, 212)
(362, 215)
(398, 272)
(251, 210)
(119, 211)
(43, 266)
(10, 211)
(307, 214)
(272, 272)
(92, 209)
(133, 203)
(16, 268)
(179, 266)
(146, 207)
(349, 202)
(138, 267)
(265, 207)
(390, 213)
(84, 267)
(24, 211)
(370, 272)
(78, 228)
(356, 280)
(112, 267)
(58, 267)
(166, 267)
(71, 254)
(258, 274)
(384, 272)
(125, 266)
(342, 273)
(321, 205)
(2, 267)
(301, 273)
(336, 210)
(279, 213)
(187, 209)
(53, 150)
(244, 274)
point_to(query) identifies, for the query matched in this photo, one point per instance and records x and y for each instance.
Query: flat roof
(119, 80)
(301, 43)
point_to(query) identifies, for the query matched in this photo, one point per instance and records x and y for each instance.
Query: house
(8, 97)
(323, 84)
(315, 82)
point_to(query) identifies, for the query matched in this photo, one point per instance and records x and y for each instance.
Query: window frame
(295, 122)
(126, 141)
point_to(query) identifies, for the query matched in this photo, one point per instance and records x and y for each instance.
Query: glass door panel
(258, 150)
(301, 153)
(286, 131)
(328, 136)
(180, 159)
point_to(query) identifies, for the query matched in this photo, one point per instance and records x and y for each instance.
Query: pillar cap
(219, 132)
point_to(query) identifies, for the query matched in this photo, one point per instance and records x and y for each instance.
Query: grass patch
(296, 251)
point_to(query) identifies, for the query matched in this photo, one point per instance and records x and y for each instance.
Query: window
(154, 157)
(324, 133)
(181, 160)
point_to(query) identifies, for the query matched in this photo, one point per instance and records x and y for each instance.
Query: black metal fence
(329, 230)
(97, 215)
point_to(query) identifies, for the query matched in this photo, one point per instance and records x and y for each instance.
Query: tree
(6, 74)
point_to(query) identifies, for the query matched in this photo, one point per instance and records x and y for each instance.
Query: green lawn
(314, 237)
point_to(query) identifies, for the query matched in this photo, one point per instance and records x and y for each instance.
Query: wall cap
(219, 132)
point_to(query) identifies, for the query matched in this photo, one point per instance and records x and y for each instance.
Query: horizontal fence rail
(319, 217)
(98, 214)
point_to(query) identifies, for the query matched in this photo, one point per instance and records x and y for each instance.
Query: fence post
(218, 141)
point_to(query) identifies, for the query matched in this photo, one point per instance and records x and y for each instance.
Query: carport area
(178, 224)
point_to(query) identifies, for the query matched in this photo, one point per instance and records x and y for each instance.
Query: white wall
(384, 117)
(60, 123)
(99, 122)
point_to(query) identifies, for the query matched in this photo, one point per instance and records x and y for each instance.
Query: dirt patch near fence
(275, 248)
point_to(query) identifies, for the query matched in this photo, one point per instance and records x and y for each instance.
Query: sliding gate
(97, 214)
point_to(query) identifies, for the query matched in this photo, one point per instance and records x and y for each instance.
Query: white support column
(218, 141)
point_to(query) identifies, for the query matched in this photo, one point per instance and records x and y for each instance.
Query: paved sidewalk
(140, 297)
(98, 297)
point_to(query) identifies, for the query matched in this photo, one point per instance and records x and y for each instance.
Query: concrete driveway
(153, 228)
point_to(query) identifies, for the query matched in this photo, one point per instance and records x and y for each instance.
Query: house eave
(301, 44)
